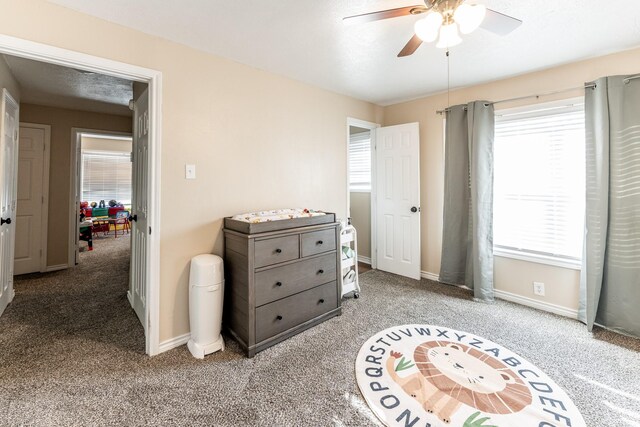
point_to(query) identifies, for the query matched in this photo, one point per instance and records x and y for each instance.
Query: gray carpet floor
(72, 353)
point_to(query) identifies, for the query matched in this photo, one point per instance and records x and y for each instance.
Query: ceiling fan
(444, 18)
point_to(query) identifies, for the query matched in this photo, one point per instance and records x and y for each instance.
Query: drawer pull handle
(278, 251)
(320, 271)
(278, 283)
(319, 242)
(279, 317)
(321, 301)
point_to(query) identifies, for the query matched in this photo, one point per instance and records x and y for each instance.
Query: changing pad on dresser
(277, 219)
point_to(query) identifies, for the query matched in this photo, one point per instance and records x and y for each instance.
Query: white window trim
(521, 254)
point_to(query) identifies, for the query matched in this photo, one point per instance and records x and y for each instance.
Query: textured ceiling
(307, 40)
(56, 86)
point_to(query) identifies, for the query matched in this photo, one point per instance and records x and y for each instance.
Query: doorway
(383, 184)
(102, 183)
(147, 266)
(361, 188)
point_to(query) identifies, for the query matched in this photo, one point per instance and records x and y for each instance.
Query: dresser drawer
(271, 319)
(318, 241)
(275, 250)
(280, 282)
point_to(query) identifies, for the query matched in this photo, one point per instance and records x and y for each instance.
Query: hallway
(61, 318)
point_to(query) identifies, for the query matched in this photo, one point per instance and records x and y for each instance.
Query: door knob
(414, 209)
(5, 221)
(133, 217)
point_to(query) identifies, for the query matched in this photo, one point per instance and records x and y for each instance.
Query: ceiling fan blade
(411, 46)
(499, 23)
(385, 14)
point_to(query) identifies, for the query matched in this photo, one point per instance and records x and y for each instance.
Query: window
(106, 175)
(539, 187)
(360, 162)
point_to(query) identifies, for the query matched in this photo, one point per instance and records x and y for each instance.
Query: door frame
(46, 165)
(372, 127)
(67, 58)
(74, 161)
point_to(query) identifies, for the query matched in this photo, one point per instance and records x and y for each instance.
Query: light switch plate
(190, 171)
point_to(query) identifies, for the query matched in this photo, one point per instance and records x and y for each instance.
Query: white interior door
(398, 199)
(140, 209)
(31, 186)
(8, 178)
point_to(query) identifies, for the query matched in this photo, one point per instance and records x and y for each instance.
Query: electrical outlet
(538, 288)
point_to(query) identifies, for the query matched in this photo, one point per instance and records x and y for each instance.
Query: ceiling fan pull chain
(448, 81)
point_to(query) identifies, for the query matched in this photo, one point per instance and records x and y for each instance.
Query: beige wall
(61, 121)
(106, 144)
(7, 81)
(360, 206)
(510, 275)
(246, 130)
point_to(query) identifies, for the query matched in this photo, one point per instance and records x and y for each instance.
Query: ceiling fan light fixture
(427, 27)
(448, 36)
(469, 17)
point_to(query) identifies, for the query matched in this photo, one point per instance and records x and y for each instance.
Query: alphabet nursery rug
(428, 376)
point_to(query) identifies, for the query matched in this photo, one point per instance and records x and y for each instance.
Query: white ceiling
(55, 86)
(307, 40)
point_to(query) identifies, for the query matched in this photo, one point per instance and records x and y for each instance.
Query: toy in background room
(94, 204)
(101, 204)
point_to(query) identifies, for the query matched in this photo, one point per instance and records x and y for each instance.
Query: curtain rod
(628, 79)
(590, 85)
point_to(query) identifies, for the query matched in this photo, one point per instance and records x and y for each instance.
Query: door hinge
(149, 230)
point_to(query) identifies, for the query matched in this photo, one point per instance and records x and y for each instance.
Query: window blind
(360, 162)
(106, 175)
(539, 187)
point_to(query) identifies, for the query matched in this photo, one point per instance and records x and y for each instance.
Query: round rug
(425, 375)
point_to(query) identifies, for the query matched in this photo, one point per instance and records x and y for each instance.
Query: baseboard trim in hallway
(57, 267)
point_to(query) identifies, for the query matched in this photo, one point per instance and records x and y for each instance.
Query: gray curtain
(610, 278)
(467, 237)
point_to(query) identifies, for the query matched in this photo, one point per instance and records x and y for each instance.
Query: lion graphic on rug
(452, 374)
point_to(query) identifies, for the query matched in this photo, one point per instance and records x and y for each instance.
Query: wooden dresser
(279, 283)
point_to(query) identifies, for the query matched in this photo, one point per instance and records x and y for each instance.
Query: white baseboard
(174, 342)
(58, 267)
(540, 305)
(364, 259)
(430, 276)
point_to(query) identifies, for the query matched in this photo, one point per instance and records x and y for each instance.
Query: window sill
(359, 191)
(539, 259)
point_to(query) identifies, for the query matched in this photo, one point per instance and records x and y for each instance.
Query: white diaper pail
(206, 292)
